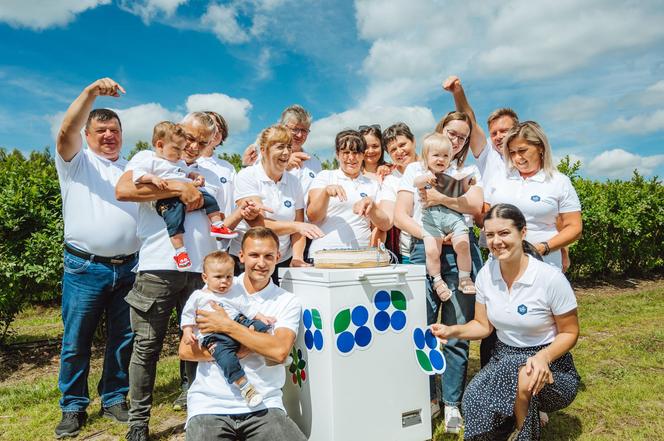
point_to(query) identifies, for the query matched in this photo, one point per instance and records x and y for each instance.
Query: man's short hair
(102, 115)
(503, 111)
(167, 130)
(296, 114)
(217, 257)
(399, 129)
(260, 233)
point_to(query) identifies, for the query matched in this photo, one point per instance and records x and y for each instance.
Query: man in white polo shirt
(100, 252)
(216, 410)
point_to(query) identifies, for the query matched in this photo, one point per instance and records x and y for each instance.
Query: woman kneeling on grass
(533, 309)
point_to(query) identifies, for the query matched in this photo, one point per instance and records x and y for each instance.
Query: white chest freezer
(355, 374)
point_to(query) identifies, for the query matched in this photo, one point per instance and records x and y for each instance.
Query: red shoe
(223, 232)
(182, 261)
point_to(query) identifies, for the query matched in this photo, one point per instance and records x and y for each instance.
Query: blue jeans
(456, 311)
(88, 290)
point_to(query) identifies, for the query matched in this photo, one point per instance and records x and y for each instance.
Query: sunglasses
(371, 126)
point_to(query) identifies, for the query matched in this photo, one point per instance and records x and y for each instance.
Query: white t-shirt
(234, 302)
(523, 317)
(342, 227)
(143, 164)
(388, 192)
(95, 221)
(225, 176)
(416, 169)
(283, 197)
(210, 394)
(540, 200)
(156, 249)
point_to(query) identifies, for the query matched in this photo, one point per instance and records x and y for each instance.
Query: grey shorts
(439, 221)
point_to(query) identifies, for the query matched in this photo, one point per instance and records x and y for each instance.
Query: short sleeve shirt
(307, 173)
(234, 302)
(284, 198)
(524, 315)
(342, 227)
(224, 175)
(146, 162)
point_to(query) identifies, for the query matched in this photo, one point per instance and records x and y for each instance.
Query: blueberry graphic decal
(313, 329)
(296, 368)
(522, 309)
(390, 311)
(223, 180)
(312, 175)
(288, 204)
(535, 198)
(427, 353)
(351, 330)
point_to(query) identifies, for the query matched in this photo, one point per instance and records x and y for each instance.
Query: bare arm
(69, 141)
(298, 241)
(403, 214)
(476, 329)
(477, 138)
(388, 208)
(127, 190)
(470, 203)
(317, 205)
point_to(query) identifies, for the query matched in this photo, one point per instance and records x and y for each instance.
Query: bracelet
(547, 249)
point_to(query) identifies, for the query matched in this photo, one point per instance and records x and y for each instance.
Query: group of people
(178, 220)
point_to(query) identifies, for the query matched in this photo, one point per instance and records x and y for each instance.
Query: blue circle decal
(312, 175)
(382, 300)
(345, 342)
(418, 337)
(430, 339)
(363, 194)
(437, 360)
(360, 315)
(398, 320)
(318, 339)
(307, 319)
(223, 180)
(288, 204)
(522, 309)
(382, 321)
(535, 198)
(363, 336)
(308, 339)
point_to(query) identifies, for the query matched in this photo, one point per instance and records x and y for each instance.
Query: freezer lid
(324, 276)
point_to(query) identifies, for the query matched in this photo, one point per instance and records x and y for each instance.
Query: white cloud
(234, 110)
(138, 121)
(223, 22)
(618, 163)
(149, 9)
(576, 108)
(43, 14)
(640, 124)
(323, 131)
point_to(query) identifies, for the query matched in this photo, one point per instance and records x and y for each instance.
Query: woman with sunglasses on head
(459, 308)
(533, 309)
(544, 195)
(343, 202)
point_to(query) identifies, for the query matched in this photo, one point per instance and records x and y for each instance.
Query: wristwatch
(547, 250)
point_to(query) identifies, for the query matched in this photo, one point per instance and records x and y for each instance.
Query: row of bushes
(623, 229)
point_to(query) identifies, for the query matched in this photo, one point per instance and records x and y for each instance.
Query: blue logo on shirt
(363, 194)
(535, 198)
(312, 175)
(288, 204)
(522, 309)
(223, 180)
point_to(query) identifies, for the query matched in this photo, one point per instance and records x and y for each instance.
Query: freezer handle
(384, 276)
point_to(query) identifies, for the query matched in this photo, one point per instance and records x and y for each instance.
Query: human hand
(250, 209)
(105, 87)
(267, 319)
(336, 191)
(384, 170)
(310, 231)
(540, 248)
(430, 197)
(441, 332)
(249, 156)
(431, 178)
(299, 263)
(215, 321)
(452, 84)
(447, 240)
(199, 181)
(191, 197)
(242, 351)
(364, 206)
(160, 183)
(296, 159)
(188, 336)
(537, 368)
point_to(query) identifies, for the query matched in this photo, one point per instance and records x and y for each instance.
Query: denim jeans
(263, 425)
(90, 289)
(456, 311)
(153, 297)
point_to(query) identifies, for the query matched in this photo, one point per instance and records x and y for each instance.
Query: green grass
(620, 357)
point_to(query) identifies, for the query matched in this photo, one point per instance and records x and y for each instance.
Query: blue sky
(593, 76)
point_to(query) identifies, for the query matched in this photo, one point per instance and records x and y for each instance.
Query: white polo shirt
(225, 176)
(523, 316)
(95, 221)
(210, 394)
(156, 249)
(144, 163)
(416, 169)
(342, 227)
(490, 163)
(540, 199)
(283, 197)
(307, 173)
(389, 189)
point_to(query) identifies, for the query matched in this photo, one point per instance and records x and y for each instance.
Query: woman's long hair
(510, 212)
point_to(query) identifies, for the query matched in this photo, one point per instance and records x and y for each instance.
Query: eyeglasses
(452, 134)
(298, 130)
(371, 126)
(349, 153)
(192, 139)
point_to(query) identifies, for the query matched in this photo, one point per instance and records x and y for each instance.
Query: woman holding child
(456, 308)
(267, 184)
(533, 309)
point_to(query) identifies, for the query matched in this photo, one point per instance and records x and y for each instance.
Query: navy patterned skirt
(488, 402)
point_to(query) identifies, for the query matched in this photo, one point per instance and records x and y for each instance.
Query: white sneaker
(453, 420)
(435, 410)
(251, 395)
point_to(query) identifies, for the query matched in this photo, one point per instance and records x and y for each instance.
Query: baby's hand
(159, 182)
(266, 319)
(199, 181)
(188, 336)
(431, 178)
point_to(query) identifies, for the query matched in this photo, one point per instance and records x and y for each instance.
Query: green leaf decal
(423, 360)
(318, 323)
(342, 321)
(399, 300)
